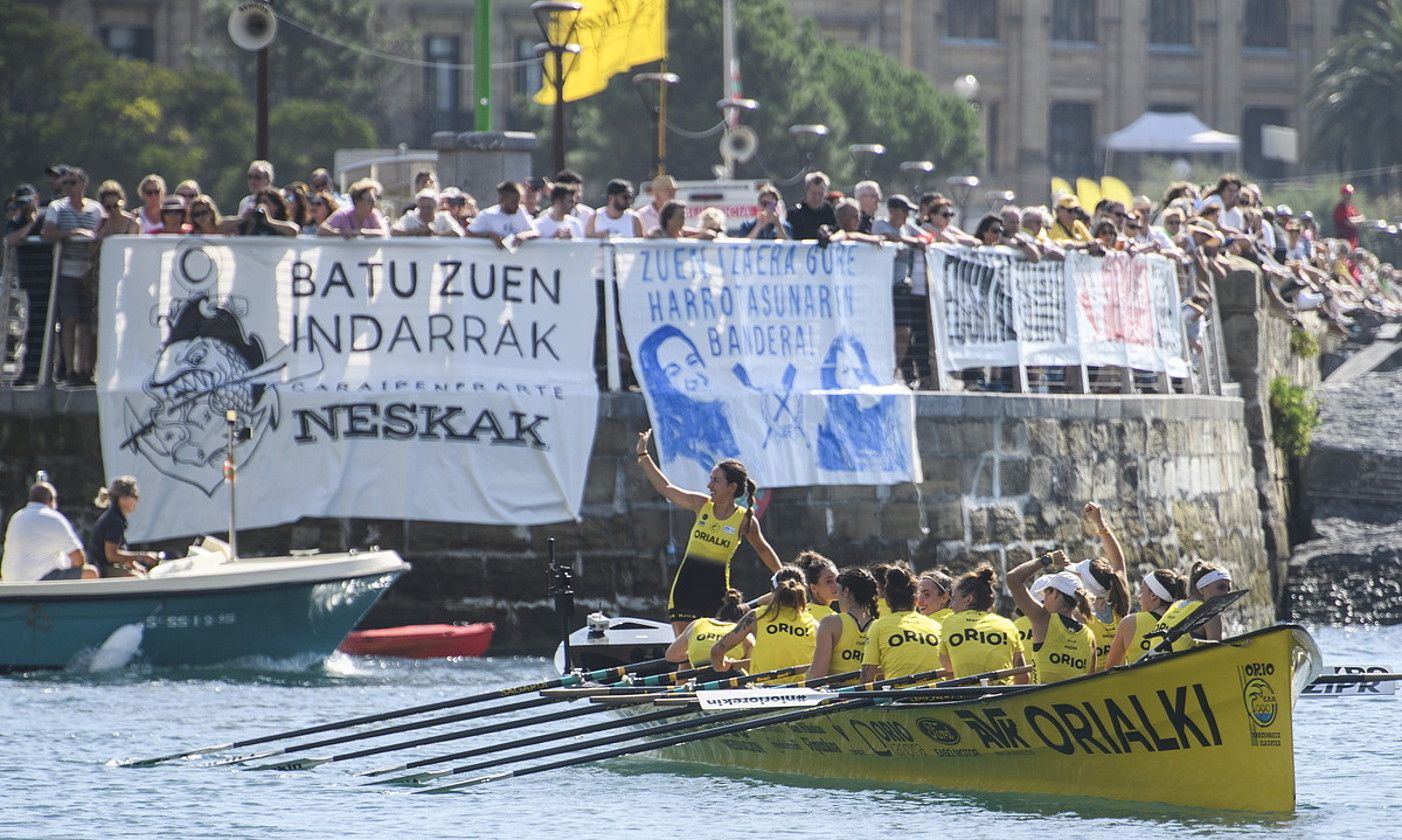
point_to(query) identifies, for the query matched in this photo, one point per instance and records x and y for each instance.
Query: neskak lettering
(418, 421)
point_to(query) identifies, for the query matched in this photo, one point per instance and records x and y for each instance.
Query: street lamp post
(652, 90)
(542, 10)
(999, 198)
(864, 155)
(806, 138)
(917, 171)
(961, 187)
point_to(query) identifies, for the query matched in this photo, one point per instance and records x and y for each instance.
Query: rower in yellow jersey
(820, 574)
(693, 646)
(1205, 580)
(904, 642)
(842, 635)
(1062, 645)
(932, 595)
(1105, 583)
(974, 639)
(1157, 592)
(785, 634)
(1024, 635)
(704, 573)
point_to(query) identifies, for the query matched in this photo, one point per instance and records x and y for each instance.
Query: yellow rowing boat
(1210, 727)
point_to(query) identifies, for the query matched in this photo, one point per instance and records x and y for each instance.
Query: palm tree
(1354, 100)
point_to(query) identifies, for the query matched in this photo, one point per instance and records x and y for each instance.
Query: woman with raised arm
(694, 644)
(842, 635)
(974, 639)
(783, 630)
(904, 642)
(721, 522)
(1157, 592)
(1062, 645)
(1104, 580)
(820, 574)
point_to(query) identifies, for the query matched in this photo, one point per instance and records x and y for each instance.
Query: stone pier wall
(1005, 477)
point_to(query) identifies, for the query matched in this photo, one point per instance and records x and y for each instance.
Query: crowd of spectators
(1202, 227)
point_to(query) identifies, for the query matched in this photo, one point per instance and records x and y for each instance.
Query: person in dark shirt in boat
(107, 542)
(721, 523)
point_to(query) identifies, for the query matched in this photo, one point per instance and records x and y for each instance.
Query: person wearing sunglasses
(767, 223)
(188, 190)
(114, 203)
(941, 224)
(107, 542)
(204, 217)
(992, 232)
(260, 177)
(153, 193)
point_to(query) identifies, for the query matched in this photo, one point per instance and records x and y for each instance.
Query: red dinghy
(421, 641)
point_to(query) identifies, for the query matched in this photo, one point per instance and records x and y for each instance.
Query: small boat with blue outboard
(208, 607)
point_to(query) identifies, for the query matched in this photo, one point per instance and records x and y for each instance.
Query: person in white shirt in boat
(40, 544)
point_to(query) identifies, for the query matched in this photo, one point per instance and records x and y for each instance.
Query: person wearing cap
(768, 223)
(1068, 231)
(74, 220)
(22, 217)
(557, 222)
(910, 288)
(1158, 590)
(1063, 646)
(506, 223)
(173, 218)
(56, 191)
(1105, 583)
(664, 189)
(423, 219)
(1205, 581)
(40, 543)
(1347, 218)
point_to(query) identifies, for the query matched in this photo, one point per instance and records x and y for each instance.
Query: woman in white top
(153, 192)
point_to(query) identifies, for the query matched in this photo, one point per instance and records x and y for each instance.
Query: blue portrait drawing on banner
(862, 432)
(689, 415)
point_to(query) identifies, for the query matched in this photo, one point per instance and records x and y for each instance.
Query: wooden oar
(603, 675)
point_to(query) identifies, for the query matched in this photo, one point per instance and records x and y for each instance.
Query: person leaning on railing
(73, 220)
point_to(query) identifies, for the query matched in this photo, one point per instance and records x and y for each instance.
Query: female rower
(820, 574)
(694, 644)
(974, 639)
(1062, 645)
(1205, 580)
(704, 574)
(842, 634)
(904, 642)
(1104, 580)
(1157, 592)
(879, 572)
(107, 542)
(932, 595)
(783, 630)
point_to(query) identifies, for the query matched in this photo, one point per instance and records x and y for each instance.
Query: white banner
(993, 308)
(777, 353)
(387, 379)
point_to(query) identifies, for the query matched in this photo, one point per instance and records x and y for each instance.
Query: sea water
(61, 732)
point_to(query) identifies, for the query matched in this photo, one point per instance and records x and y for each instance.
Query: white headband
(1064, 582)
(1212, 577)
(1152, 581)
(1082, 569)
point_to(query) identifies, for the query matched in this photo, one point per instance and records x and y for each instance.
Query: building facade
(1054, 76)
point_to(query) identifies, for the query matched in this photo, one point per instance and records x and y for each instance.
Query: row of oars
(670, 692)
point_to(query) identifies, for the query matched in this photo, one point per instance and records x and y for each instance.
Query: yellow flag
(1088, 193)
(1116, 190)
(1059, 187)
(613, 36)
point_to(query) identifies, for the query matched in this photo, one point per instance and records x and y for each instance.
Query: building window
(1252, 119)
(1071, 139)
(443, 81)
(1267, 24)
(1073, 21)
(1171, 23)
(133, 42)
(971, 21)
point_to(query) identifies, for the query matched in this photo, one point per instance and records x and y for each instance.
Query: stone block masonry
(1006, 477)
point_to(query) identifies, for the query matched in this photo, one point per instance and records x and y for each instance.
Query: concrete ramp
(1385, 347)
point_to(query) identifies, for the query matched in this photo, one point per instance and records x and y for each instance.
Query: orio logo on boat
(938, 731)
(1260, 700)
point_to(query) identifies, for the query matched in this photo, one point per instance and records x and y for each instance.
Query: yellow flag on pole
(613, 35)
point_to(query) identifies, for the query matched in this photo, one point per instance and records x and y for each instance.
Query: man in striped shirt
(73, 221)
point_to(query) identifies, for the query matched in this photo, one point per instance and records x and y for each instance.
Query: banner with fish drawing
(780, 354)
(990, 307)
(385, 379)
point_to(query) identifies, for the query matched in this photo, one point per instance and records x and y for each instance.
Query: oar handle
(1327, 679)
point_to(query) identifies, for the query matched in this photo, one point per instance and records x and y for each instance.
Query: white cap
(1064, 582)
(1037, 586)
(1082, 570)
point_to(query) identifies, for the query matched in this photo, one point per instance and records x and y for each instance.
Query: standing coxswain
(704, 574)
(842, 635)
(1157, 592)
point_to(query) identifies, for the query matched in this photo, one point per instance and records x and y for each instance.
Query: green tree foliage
(1353, 97)
(797, 76)
(304, 132)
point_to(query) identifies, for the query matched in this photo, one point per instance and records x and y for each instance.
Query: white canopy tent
(1180, 133)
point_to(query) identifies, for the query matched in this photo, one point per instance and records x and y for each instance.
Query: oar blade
(162, 759)
(410, 779)
(480, 780)
(303, 763)
(244, 759)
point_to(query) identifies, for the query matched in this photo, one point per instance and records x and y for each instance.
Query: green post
(482, 65)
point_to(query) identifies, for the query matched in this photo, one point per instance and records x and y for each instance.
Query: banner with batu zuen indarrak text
(780, 354)
(385, 379)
